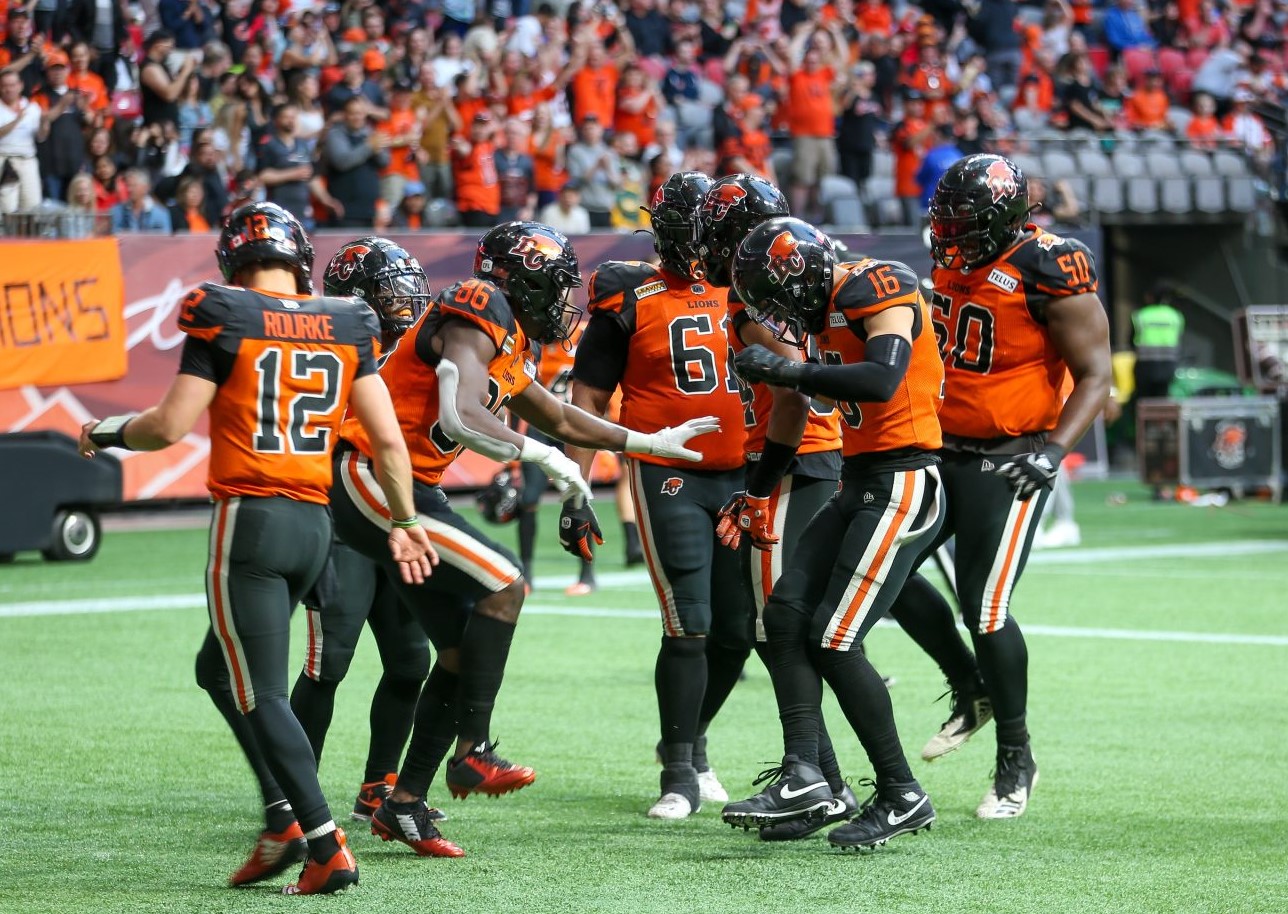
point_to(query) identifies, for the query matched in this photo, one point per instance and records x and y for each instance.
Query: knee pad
(684, 647)
(784, 620)
(211, 669)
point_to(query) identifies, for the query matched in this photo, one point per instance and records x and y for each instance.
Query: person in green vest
(1157, 331)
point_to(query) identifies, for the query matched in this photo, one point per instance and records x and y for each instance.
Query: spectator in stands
(1080, 99)
(94, 97)
(109, 186)
(401, 131)
(595, 167)
(638, 105)
(632, 184)
(1222, 71)
(909, 141)
(514, 169)
(203, 166)
(1247, 131)
(21, 51)
(186, 213)
(650, 30)
(159, 85)
(478, 190)
(189, 21)
(566, 213)
(718, 30)
(1125, 28)
(231, 137)
(1146, 108)
(1057, 27)
(138, 212)
(1054, 204)
(194, 113)
(861, 124)
(80, 202)
(1204, 130)
(1113, 96)
(682, 77)
(285, 164)
(1167, 27)
(60, 139)
(942, 153)
(991, 25)
(354, 83)
(1261, 25)
(1030, 114)
(308, 47)
(410, 212)
(468, 99)
(748, 151)
(20, 124)
(352, 156)
(438, 121)
(592, 82)
(812, 93)
(549, 166)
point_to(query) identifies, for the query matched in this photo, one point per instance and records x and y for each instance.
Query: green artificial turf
(1164, 786)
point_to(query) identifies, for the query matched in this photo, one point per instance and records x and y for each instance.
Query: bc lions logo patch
(1000, 179)
(537, 251)
(347, 261)
(672, 485)
(723, 199)
(785, 261)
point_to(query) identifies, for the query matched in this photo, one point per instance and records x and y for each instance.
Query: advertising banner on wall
(158, 271)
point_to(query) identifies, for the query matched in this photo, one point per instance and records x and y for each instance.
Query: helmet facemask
(402, 295)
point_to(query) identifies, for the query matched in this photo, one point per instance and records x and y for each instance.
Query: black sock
(1012, 732)
(680, 678)
(796, 684)
(485, 648)
(325, 846)
(1004, 664)
(724, 662)
(278, 816)
(393, 707)
(827, 762)
(434, 732)
(631, 538)
(313, 703)
(866, 702)
(925, 615)
(287, 752)
(527, 540)
(586, 574)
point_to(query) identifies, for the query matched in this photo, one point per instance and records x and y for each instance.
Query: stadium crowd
(163, 115)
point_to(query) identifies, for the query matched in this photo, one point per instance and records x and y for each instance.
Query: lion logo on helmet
(346, 262)
(1001, 181)
(785, 260)
(537, 251)
(722, 199)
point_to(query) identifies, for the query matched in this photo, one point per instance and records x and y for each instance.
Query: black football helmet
(265, 233)
(783, 273)
(734, 206)
(536, 267)
(674, 217)
(498, 501)
(978, 208)
(384, 276)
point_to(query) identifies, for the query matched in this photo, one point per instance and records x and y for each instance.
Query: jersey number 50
(972, 344)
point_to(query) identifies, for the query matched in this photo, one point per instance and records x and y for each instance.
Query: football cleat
(843, 806)
(483, 771)
(336, 875)
(371, 795)
(971, 711)
(672, 806)
(901, 809)
(795, 790)
(681, 796)
(413, 825)
(1013, 781)
(274, 852)
(709, 788)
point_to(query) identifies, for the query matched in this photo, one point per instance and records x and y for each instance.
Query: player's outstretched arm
(156, 427)
(408, 542)
(1079, 330)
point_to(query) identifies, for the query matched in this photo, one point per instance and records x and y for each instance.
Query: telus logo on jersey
(350, 259)
(723, 199)
(785, 260)
(1000, 180)
(537, 251)
(1003, 280)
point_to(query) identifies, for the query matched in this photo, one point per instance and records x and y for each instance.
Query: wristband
(111, 432)
(534, 451)
(1054, 452)
(768, 471)
(406, 522)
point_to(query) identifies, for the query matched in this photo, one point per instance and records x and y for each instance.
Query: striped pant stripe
(996, 601)
(219, 601)
(661, 585)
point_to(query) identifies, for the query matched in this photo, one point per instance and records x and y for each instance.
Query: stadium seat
(1241, 193)
(1195, 163)
(836, 187)
(1179, 118)
(1170, 60)
(1229, 162)
(1136, 61)
(1107, 195)
(710, 94)
(1099, 57)
(1081, 187)
(1174, 195)
(1094, 163)
(1209, 193)
(1142, 195)
(1195, 56)
(882, 163)
(847, 213)
(1058, 164)
(781, 159)
(1128, 164)
(1178, 84)
(1030, 165)
(1161, 163)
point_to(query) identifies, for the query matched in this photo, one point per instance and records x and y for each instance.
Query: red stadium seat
(1170, 60)
(1178, 85)
(1136, 61)
(1099, 57)
(1195, 57)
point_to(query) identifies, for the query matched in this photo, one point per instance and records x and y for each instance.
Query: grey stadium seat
(1058, 164)
(1227, 162)
(1241, 193)
(847, 213)
(1128, 164)
(1179, 118)
(1107, 195)
(1028, 164)
(1161, 163)
(1093, 163)
(1174, 195)
(1081, 187)
(782, 162)
(834, 187)
(1195, 163)
(882, 163)
(1209, 193)
(1142, 195)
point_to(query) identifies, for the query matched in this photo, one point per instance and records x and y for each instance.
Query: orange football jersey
(679, 364)
(413, 384)
(822, 426)
(911, 417)
(285, 366)
(1004, 377)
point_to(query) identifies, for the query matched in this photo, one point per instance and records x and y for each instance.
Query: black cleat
(1013, 781)
(796, 790)
(971, 711)
(900, 809)
(844, 805)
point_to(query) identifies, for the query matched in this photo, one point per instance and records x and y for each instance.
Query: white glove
(564, 473)
(669, 442)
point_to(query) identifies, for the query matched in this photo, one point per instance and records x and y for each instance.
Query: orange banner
(62, 315)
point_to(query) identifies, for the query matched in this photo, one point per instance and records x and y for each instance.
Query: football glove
(563, 472)
(669, 442)
(746, 515)
(1028, 473)
(757, 363)
(577, 525)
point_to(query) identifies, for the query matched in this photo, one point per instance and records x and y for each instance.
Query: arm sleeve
(198, 359)
(874, 380)
(601, 354)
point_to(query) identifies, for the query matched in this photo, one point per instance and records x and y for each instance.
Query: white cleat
(672, 806)
(1014, 780)
(710, 789)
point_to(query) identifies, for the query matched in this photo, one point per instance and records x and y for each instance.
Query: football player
(352, 590)
(881, 366)
(470, 355)
(657, 333)
(1013, 307)
(276, 368)
(793, 449)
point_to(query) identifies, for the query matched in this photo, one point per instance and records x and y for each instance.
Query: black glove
(1028, 473)
(577, 524)
(756, 363)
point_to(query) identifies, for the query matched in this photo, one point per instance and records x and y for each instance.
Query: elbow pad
(874, 380)
(450, 419)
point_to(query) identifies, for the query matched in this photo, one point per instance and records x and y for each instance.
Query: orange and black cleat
(273, 853)
(336, 875)
(483, 771)
(371, 795)
(412, 824)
